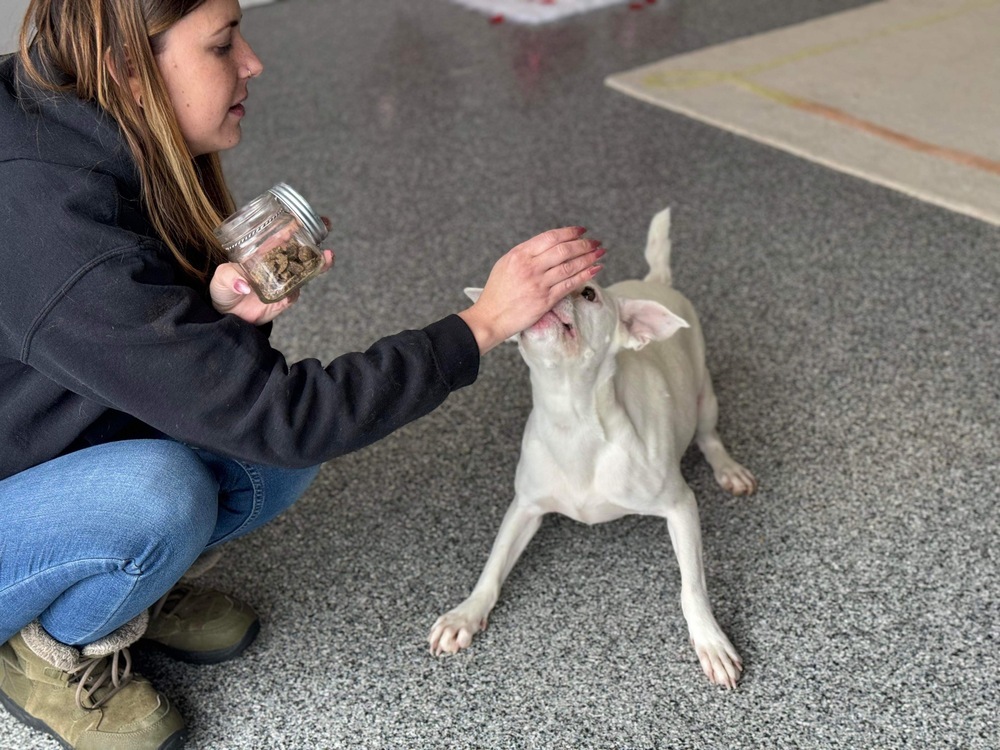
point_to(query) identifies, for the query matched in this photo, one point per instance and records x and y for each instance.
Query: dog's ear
(645, 321)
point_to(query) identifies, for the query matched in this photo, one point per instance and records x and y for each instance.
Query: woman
(144, 417)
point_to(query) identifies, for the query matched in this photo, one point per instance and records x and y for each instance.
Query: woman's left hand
(231, 293)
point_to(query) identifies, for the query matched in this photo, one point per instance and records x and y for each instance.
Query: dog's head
(591, 326)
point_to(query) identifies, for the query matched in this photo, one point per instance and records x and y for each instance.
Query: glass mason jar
(275, 240)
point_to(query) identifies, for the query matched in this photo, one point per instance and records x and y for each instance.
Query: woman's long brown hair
(97, 45)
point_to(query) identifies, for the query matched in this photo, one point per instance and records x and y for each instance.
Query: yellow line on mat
(822, 49)
(676, 80)
(690, 79)
(887, 134)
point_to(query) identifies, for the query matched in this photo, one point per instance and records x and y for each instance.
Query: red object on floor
(497, 19)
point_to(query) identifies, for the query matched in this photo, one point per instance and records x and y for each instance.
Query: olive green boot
(201, 626)
(87, 698)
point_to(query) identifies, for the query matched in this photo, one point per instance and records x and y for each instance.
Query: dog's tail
(658, 249)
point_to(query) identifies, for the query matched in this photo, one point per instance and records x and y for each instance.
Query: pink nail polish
(241, 286)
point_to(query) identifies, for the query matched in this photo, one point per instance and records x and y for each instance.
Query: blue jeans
(91, 539)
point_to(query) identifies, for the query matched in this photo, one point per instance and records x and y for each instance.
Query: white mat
(535, 11)
(905, 93)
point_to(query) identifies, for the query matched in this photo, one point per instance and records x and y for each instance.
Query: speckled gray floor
(854, 341)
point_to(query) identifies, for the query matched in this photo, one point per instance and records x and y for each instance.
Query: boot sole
(173, 742)
(208, 657)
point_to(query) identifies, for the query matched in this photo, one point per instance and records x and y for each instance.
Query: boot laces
(117, 673)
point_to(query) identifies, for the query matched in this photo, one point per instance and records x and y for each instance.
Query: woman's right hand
(231, 294)
(529, 280)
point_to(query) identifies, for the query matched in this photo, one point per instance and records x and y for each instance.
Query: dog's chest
(585, 476)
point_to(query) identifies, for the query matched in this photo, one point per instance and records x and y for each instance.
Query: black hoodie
(102, 334)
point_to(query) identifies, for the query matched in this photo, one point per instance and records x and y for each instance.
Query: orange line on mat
(914, 144)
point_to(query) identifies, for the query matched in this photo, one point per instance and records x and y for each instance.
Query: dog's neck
(567, 394)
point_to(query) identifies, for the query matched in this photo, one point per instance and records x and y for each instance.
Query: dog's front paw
(453, 631)
(719, 660)
(736, 478)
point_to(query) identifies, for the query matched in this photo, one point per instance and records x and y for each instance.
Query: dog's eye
(588, 293)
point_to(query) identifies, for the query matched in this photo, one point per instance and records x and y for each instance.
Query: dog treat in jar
(275, 240)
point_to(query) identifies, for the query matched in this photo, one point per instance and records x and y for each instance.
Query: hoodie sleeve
(125, 333)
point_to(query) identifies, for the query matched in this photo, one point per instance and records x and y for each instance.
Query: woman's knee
(115, 521)
(161, 493)
(179, 489)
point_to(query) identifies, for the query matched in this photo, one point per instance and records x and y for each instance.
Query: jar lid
(302, 210)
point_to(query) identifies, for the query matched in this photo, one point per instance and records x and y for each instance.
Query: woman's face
(206, 63)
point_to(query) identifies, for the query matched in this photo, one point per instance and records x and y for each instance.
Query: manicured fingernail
(594, 270)
(600, 252)
(241, 286)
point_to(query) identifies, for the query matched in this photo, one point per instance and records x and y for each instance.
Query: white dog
(619, 389)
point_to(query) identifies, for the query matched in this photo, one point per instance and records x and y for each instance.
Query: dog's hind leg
(454, 630)
(731, 475)
(719, 659)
